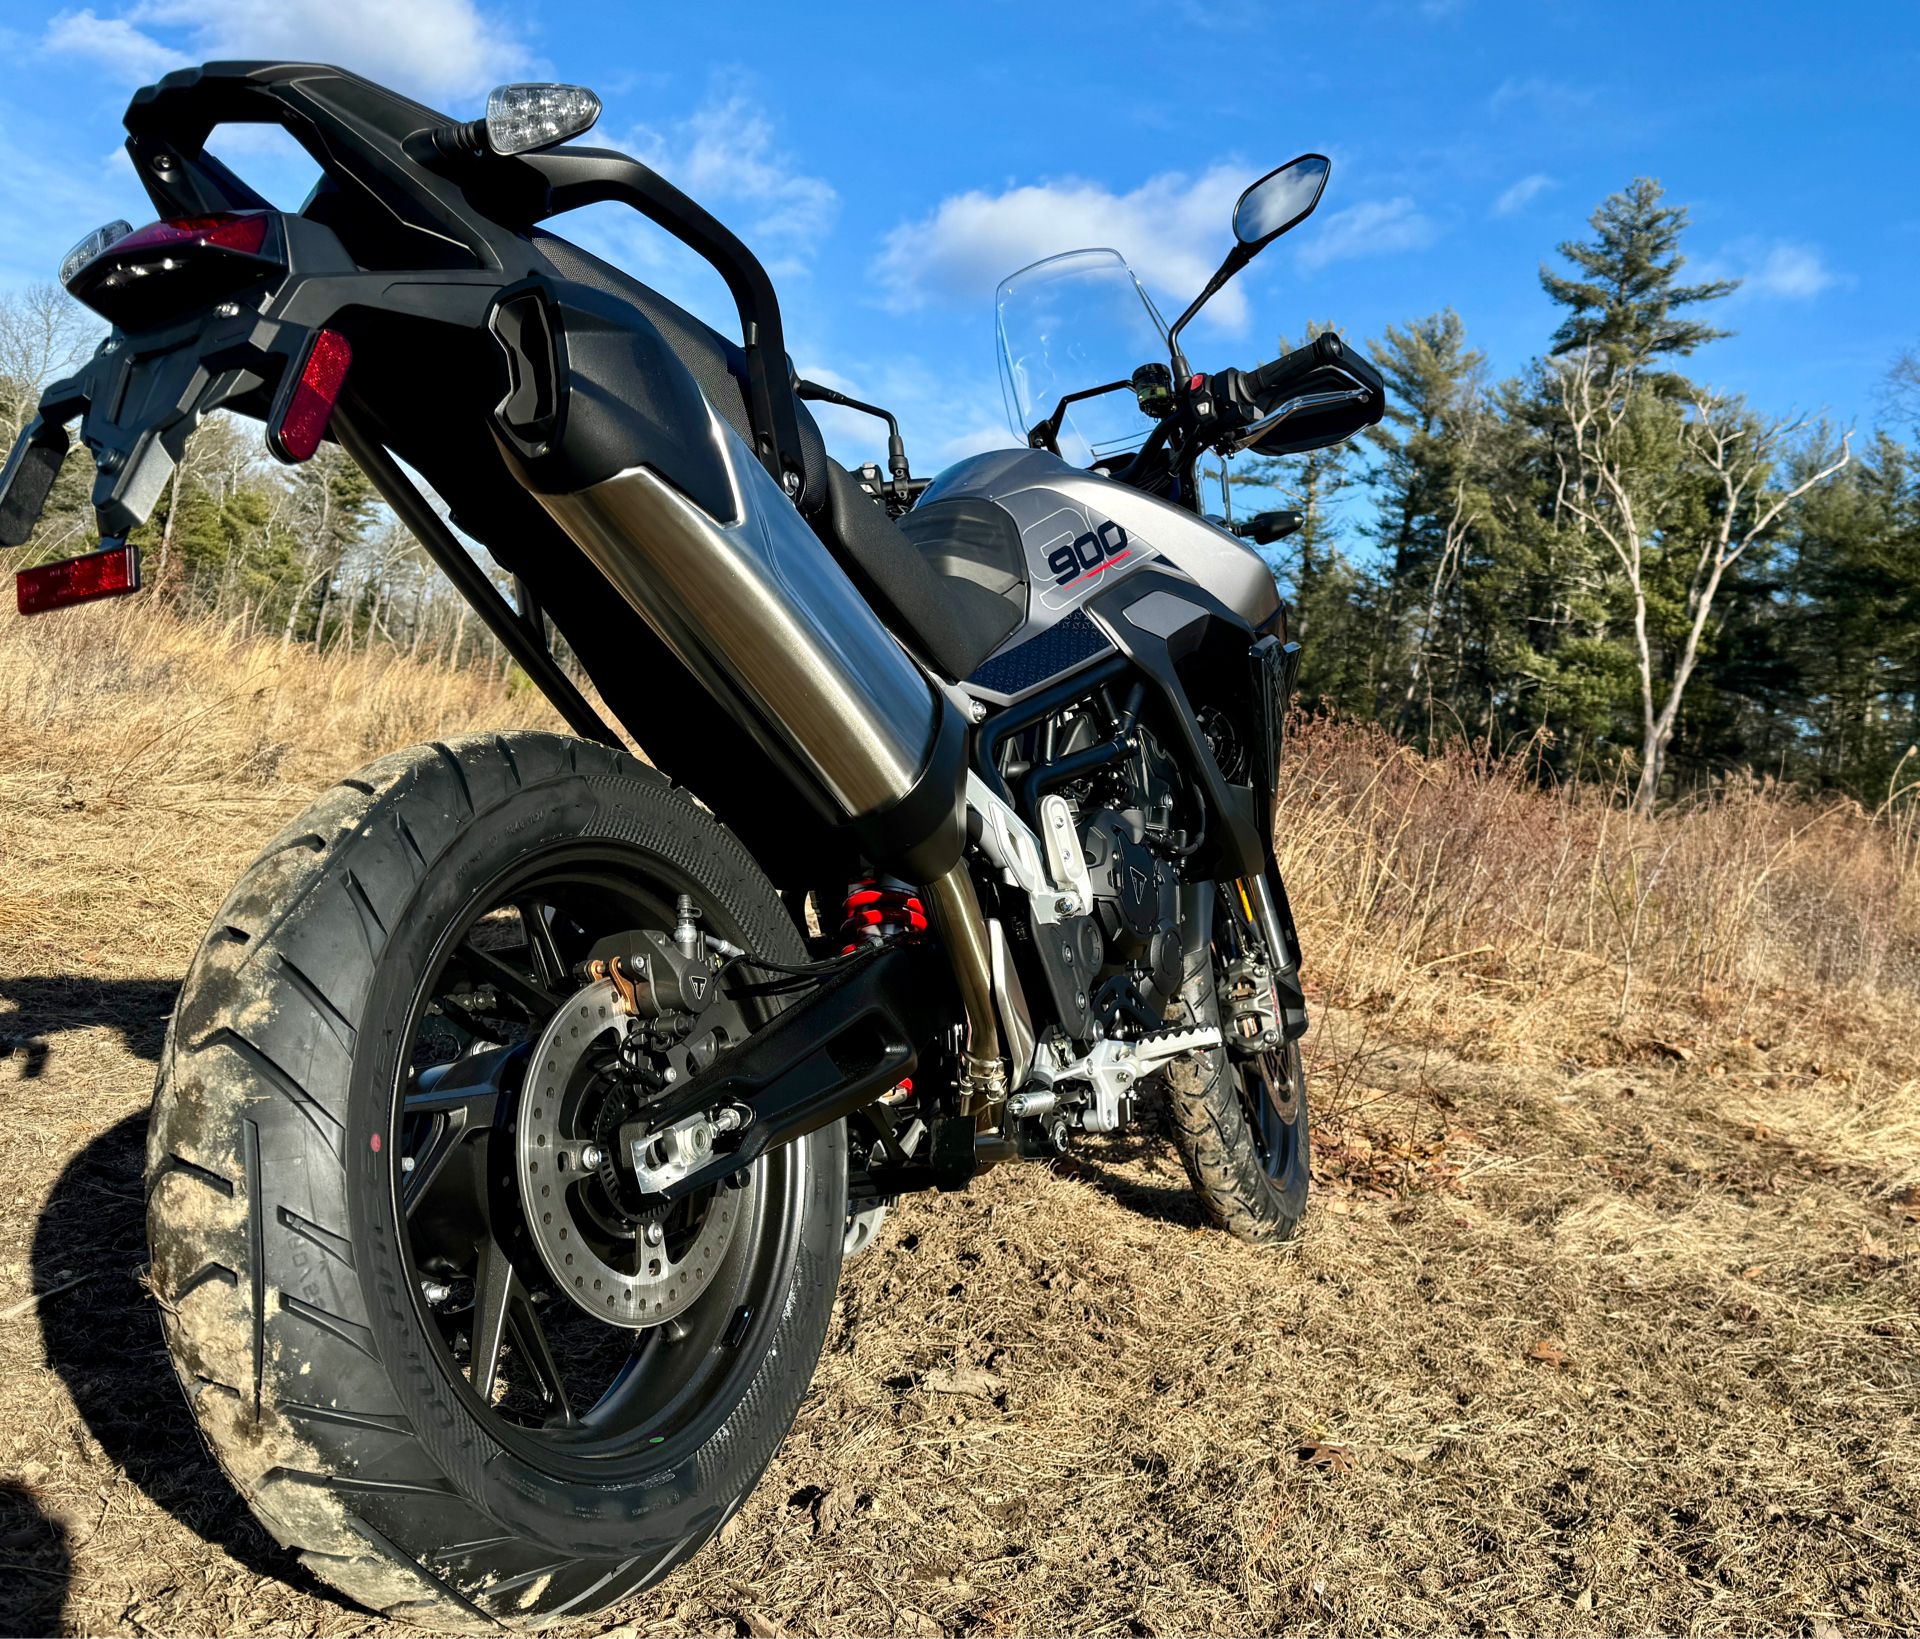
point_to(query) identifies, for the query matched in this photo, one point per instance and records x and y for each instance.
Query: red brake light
(295, 433)
(245, 232)
(111, 571)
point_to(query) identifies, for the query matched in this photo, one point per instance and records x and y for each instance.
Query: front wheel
(1239, 1117)
(468, 1396)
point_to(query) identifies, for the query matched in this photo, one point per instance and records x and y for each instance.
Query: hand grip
(1265, 382)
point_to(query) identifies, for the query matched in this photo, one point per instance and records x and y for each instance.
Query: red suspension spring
(878, 908)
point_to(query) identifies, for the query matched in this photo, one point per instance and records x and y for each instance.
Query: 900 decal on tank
(513, 1124)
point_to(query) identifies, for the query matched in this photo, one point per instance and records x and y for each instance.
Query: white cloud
(1773, 269)
(1543, 96)
(1522, 194)
(1792, 272)
(445, 48)
(1375, 228)
(1224, 15)
(725, 153)
(112, 41)
(1172, 230)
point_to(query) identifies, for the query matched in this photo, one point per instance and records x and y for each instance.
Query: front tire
(288, 1269)
(1239, 1119)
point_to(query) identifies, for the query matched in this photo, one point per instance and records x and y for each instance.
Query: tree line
(305, 554)
(1646, 580)
(1652, 581)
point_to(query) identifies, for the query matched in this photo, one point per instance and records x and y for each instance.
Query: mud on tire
(286, 1298)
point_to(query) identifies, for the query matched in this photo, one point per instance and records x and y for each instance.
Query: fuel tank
(1081, 533)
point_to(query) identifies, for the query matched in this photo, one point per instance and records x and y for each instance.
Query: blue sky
(891, 163)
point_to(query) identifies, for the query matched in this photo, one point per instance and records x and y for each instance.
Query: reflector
(245, 233)
(114, 569)
(295, 433)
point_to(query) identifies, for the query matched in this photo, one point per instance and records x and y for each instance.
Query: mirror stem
(1237, 258)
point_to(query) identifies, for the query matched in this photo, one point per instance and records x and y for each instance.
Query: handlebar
(1331, 390)
(1270, 379)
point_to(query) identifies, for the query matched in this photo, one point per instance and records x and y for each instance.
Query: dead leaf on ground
(1334, 1456)
(968, 1380)
(834, 1509)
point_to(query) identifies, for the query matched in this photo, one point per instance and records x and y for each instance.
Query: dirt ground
(1565, 1348)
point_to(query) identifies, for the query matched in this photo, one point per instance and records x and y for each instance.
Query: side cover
(1082, 534)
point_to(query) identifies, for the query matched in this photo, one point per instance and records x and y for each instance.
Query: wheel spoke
(419, 1179)
(494, 1282)
(531, 1337)
(534, 998)
(548, 965)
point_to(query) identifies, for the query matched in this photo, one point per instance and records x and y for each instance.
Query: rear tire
(281, 1257)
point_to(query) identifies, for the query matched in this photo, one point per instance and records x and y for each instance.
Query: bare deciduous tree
(1627, 492)
(44, 333)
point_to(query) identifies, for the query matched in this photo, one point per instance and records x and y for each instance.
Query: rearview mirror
(1280, 200)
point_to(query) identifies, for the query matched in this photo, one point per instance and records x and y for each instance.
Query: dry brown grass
(1606, 1320)
(1459, 902)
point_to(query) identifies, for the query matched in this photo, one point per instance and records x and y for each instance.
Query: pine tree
(1624, 292)
(1427, 487)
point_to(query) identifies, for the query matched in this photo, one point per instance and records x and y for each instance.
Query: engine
(1113, 964)
(1136, 904)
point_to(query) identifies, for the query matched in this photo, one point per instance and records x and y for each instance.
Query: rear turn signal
(299, 423)
(110, 572)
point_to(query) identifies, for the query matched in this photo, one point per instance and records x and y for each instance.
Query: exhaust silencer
(757, 608)
(607, 428)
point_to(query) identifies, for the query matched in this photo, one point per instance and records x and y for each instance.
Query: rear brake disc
(668, 1260)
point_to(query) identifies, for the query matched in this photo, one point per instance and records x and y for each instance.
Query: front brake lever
(1254, 431)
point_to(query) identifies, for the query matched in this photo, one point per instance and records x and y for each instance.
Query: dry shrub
(145, 758)
(170, 703)
(1474, 901)
(1459, 897)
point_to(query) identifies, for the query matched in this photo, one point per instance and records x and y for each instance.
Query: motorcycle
(524, 1099)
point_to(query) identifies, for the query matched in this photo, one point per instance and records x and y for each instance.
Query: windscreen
(1068, 323)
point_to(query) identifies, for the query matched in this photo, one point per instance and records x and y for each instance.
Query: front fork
(1263, 898)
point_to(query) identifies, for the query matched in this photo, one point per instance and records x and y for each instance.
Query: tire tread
(292, 956)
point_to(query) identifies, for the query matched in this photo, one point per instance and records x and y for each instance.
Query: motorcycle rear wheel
(326, 1340)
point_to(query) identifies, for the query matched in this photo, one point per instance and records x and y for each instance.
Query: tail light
(110, 572)
(148, 275)
(245, 232)
(299, 420)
